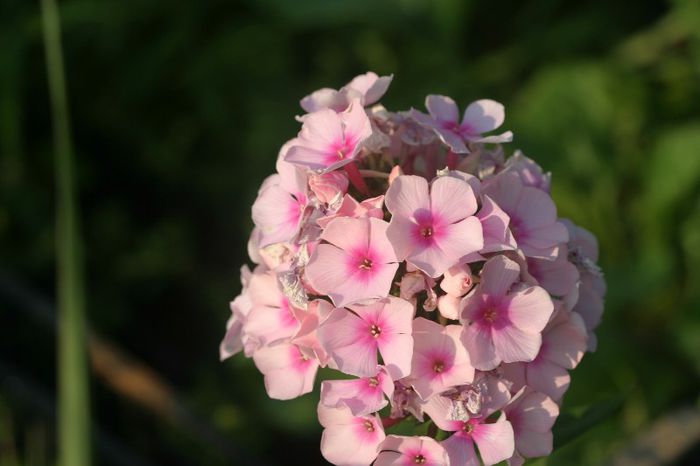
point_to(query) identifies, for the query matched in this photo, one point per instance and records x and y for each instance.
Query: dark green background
(178, 110)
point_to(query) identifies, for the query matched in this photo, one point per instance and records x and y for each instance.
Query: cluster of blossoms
(407, 252)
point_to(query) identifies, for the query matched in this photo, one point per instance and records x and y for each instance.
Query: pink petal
(402, 451)
(565, 344)
(449, 306)
(459, 241)
(494, 221)
(484, 115)
(288, 373)
(530, 309)
(348, 233)
(359, 395)
(379, 242)
(396, 352)
(327, 274)
(406, 195)
(460, 450)
(346, 338)
(548, 378)
(513, 345)
(442, 108)
(324, 98)
(277, 214)
(451, 199)
(480, 345)
(533, 444)
(495, 441)
(356, 125)
(453, 140)
(349, 440)
(370, 86)
(537, 412)
(497, 276)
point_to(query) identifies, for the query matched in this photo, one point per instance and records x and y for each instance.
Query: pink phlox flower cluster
(405, 252)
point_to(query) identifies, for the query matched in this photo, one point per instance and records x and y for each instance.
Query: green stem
(74, 404)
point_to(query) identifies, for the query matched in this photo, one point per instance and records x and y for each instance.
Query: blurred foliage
(179, 109)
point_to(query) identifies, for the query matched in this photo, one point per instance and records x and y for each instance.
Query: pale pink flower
(410, 451)
(564, 343)
(329, 140)
(558, 276)
(494, 222)
(533, 215)
(449, 306)
(495, 440)
(240, 308)
(306, 338)
(279, 208)
(357, 263)
(349, 207)
(433, 227)
(368, 88)
(532, 415)
(288, 372)
(349, 440)
(363, 396)
(440, 361)
(353, 337)
(271, 317)
(503, 325)
(529, 171)
(329, 187)
(583, 252)
(479, 117)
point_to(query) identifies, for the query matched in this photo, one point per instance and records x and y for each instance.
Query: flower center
(468, 428)
(490, 314)
(375, 331)
(426, 232)
(369, 426)
(366, 264)
(373, 382)
(419, 459)
(341, 153)
(439, 367)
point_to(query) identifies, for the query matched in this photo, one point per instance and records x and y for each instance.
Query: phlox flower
(271, 318)
(397, 450)
(440, 361)
(503, 325)
(494, 439)
(288, 372)
(329, 140)
(349, 440)
(479, 117)
(368, 88)
(353, 336)
(279, 207)
(356, 263)
(564, 343)
(529, 171)
(532, 415)
(433, 226)
(232, 342)
(363, 396)
(558, 276)
(533, 215)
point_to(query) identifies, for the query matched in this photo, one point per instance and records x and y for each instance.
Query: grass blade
(74, 404)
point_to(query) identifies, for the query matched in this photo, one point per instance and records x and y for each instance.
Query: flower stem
(74, 406)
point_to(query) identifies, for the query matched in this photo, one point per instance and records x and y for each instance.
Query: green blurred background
(178, 111)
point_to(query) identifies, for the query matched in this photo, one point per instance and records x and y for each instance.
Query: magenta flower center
(369, 426)
(468, 428)
(419, 459)
(375, 331)
(373, 382)
(490, 314)
(426, 231)
(366, 264)
(438, 367)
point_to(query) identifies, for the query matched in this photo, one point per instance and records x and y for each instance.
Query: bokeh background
(178, 110)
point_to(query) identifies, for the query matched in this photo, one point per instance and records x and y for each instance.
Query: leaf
(570, 427)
